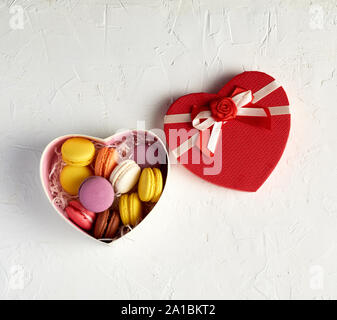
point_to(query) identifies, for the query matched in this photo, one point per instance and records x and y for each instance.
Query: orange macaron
(106, 161)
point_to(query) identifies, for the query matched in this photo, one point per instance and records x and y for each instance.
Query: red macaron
(80, 216)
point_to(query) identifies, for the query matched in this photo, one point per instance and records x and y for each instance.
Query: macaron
(78, 152)
(150, 186)
(80, 216)
(71, 178)
(158, 177)
(96, 194)
(125, 176)
(106, 161)
(130, 209)
(106, 225)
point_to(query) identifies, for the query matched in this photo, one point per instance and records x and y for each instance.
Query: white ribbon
(240, 100)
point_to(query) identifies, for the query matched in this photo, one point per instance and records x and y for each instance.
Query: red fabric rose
(223, 109)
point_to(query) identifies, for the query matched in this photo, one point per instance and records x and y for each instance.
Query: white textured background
(90, 67)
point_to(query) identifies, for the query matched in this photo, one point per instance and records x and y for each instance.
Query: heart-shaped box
(246, 148)
(52, 151)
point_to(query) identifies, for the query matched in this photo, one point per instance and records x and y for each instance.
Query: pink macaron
(80, 216)
(96, 194)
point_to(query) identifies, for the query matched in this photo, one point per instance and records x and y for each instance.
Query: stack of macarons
(150, 185)
(109, 194)
(78, 154)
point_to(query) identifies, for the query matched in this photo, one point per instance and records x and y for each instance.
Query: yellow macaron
(130, 209)
(146, 185)
(78, 152)
(150, 185)
(71, 178)
(158, 183)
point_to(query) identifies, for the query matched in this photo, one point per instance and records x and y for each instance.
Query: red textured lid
(249, 144)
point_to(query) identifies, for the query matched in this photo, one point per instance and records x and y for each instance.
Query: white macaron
(125, 176)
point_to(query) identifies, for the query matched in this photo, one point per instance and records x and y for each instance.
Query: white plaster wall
(91, 67)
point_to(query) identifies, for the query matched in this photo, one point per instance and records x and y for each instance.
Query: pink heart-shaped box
(247, 154)
(49, 154)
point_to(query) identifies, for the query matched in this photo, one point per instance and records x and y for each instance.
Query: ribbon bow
(219, 112)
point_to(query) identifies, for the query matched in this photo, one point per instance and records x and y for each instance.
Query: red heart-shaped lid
(247, 149)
